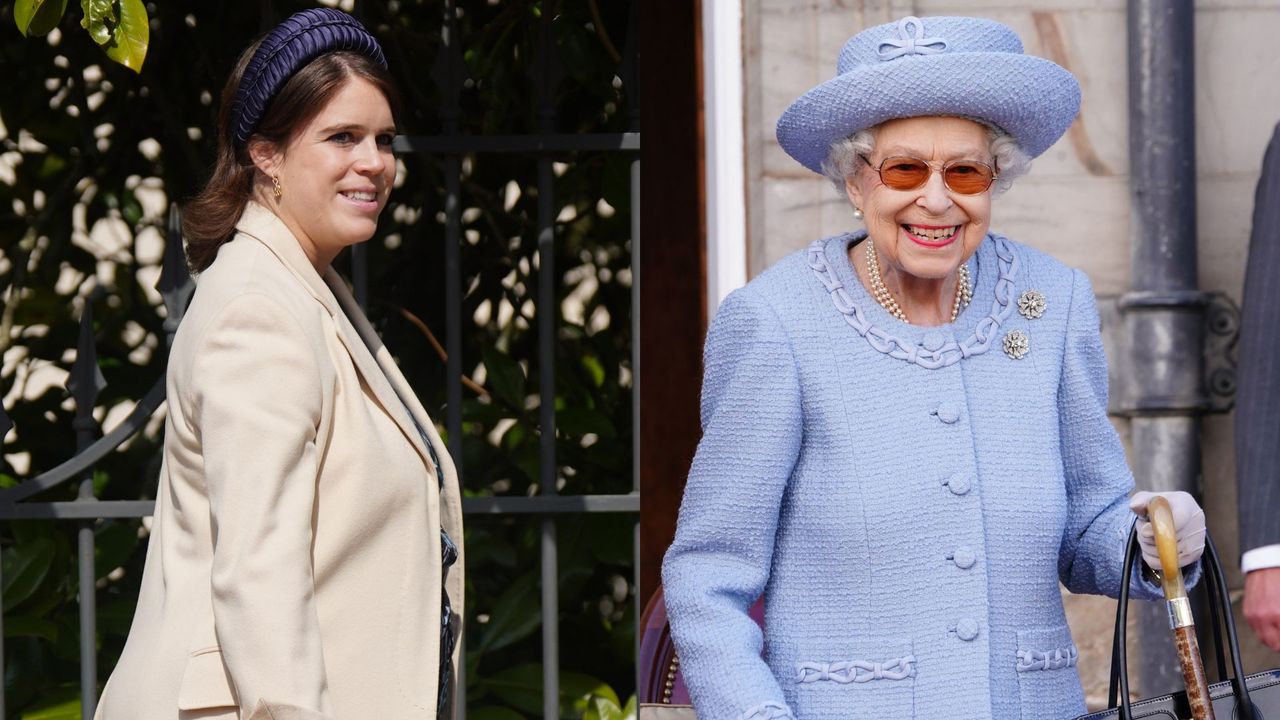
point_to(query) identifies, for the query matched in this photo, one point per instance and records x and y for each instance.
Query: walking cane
(1175, 594)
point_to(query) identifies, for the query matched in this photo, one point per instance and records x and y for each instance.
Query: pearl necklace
(964, 288)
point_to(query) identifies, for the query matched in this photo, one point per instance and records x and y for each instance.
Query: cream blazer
(294, 565)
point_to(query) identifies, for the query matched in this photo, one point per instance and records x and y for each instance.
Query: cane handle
(1161, 516)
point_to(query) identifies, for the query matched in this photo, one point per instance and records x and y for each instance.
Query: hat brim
(1031, 98)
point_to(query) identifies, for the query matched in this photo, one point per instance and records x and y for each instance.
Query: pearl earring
(857, 214)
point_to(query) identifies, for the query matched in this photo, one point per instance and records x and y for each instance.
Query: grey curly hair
(842, 160)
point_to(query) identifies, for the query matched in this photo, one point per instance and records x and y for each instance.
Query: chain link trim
(856, 671)
(951, 352)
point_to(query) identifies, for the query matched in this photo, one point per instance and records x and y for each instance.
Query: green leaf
(131, 36)
(630, 710)
(24, 626)
(493, 712)
(602, 708)
(25, 567)
(578, 421)
(8, 481)
(515, 616)
(116, 617)
(594, 369)
(96, 15)
(132, 210)
(521, 687)
(610, 542)
(505, 377)
(38, 17)
(113, 544)
(581, 692)
(62, 705)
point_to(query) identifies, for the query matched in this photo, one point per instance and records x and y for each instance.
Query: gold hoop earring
(276, 188)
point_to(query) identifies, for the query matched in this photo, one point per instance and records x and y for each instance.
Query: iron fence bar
(545, 77)
(628, 73)
(89, 456)
(547, 440)
(453, 306)
(448, 73)
(635, 395)
(88, 620)
(635, 325)
(560, 504)
(78, 510)
(5, 425)
(550, 624)
(2, 674)
(515, 144)
(85, 382)
(121, 509)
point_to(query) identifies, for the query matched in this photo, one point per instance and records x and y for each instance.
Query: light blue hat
(960, 66)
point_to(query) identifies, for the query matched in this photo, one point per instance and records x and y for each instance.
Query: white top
(1260, 558)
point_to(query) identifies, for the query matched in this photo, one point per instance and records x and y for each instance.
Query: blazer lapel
(376, 365)
(355, 332)
(264, 226)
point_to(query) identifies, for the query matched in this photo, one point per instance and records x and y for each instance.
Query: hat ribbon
(910, 41)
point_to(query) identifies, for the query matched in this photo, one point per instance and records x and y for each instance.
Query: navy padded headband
(286, 49)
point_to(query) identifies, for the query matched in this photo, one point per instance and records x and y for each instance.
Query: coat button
(967, 629)
(947, 412)
(959, 483)
(964, 557)
(933, 341)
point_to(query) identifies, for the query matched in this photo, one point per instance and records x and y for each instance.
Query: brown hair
(210, 218)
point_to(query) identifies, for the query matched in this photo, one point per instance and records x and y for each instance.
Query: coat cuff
(1143, 585)
(1260, 558)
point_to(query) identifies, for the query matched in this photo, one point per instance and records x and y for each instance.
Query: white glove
(1188, 523)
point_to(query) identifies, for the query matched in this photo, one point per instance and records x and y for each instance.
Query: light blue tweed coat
(905, 498)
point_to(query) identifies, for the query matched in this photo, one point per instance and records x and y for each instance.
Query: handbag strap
(1219, 600)
(1239, 687)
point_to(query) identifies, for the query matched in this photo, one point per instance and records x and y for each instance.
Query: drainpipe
(1164, 391)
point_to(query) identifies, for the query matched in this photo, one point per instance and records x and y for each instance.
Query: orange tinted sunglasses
(965, 177)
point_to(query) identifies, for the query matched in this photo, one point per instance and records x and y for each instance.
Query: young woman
(301, 562)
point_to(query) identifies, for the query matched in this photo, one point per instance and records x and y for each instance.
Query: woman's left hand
(1188, 522)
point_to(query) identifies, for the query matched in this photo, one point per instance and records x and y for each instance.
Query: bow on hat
(910, 41)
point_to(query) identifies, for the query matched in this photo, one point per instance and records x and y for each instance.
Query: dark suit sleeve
(1258, 397)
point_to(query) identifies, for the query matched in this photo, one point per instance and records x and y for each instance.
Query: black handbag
(1231, 698)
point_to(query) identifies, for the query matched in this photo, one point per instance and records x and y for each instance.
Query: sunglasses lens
(968, 178)
(901, 173)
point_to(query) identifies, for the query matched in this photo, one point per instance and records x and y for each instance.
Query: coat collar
(361, 341)
(267, 228)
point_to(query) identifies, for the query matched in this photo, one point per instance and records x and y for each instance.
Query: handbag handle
(1218, 600)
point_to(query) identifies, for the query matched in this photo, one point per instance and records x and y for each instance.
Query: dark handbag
(1232, 698)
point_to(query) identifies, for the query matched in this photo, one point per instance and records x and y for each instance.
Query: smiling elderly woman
(905, 442)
